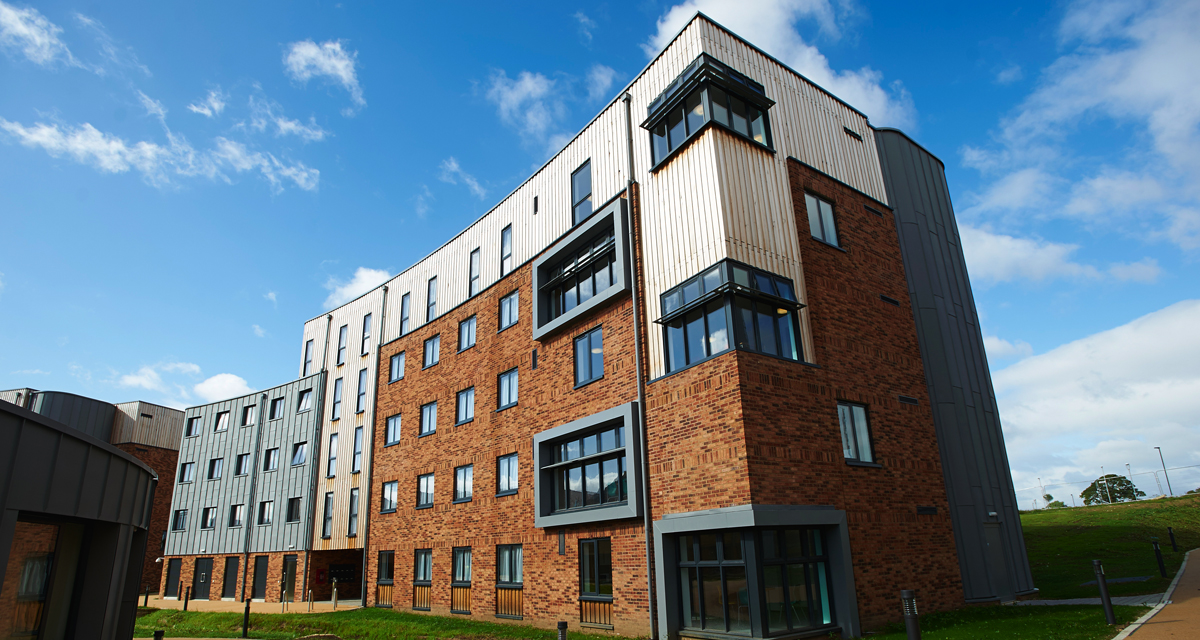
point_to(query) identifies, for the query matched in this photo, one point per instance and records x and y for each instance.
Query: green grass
(1063, 542)
(1018, 623)
(365, 624)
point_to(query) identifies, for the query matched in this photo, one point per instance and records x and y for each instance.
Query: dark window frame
(474, 326)
(266, 513)
(222, 422)
(249, 415)
(237, 516)
(335, 408)
(473, 280)
(301, 449)
(858, 459)
(241, 465)
(386, 568)
(271, 459)
(192, 428)
(275, 410)
(401, 360)
(387, 433)
(405, 312)
(515, 565)
(352, 516)
(577, 199)
(597, 545)
(360, 403)
(421, 430)
(512, 376)
(327, 517)
(357, 455)
(179, 520)
(306, 370)
(824, 238)
(431, 300)
(331, 457)
(506, 246)
(366, 335)
(458, 406)
(514, 462)
(421, 492)
(187, 472)
(437, 351)
(215, 466)
(343, 338)
(464, 493)
(389, 504)
(304, 401)
(294, 514)
(515, 305)
(593, 376)
(208, 514)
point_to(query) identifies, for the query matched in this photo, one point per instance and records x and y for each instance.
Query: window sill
(351, 535)
(593, 625)
(430, 365)
(869, 465)
(460, 501)
(506, 617)
(300, 411)
(360, 412)
(424, 506)
(335, 419)
(466, 348)
(396, 380)
(506, 493)
(207, 528)
(239, 475)
(501, 329)
(326, 537)
(390, 444)
(426, 435)
(462, 422)
(829, 244)
(507, 406)
(330, 477)
(356, 472)
(591, 507)
(585, 383)
(387, 511)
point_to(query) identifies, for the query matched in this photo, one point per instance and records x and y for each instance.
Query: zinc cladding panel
(288, 481)
(163, 429)
(93, 417)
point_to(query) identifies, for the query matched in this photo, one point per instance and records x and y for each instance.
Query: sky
(182, 185)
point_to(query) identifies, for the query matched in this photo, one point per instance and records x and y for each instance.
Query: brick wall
(245, 574)
(164, 462)
(30, 540)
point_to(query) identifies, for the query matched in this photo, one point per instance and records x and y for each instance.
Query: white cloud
(421, 201)
(181, 367)
(270, 295)
(452, 173)
(771, 25)
(118, 57)
(211, 106)
(306, 59)
(221, 387)
(1145, 270)
(149, 377)
(599, 81)
(1025, 189)
(586, 25)
(993, 257)
(79, 372)
(365, 279)
(1009, 74)
(31, 372)
(1114, 193)
(258, 331)
(30, 33)
(265, 113)
(153, 107)
(530, 104)
(1000, 348)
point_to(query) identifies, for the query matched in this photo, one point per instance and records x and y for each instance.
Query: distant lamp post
(1164, 466)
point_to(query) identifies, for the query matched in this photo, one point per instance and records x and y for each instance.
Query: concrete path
(1179, 616)
(255, 607)
(1129, 601)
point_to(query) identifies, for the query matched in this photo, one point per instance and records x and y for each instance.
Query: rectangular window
(582, 274)
(589, 356)
(356, 462)
(187, 472)
(590, 471)
(327, 523)
(387, 567)
(293, 510)
(331, 462)
(423, 565)
(179, 522)
(249, 415)
(466, 333)
(222, 422)
(343, 336)
(366, 336)
(237, 515)
(428, 419)
(466, 406)
(193, 427)
(581, 193)
(397, 367)
(214, 468)
(462, 566)
(431, 300)
(405, 303)
(352, 526)
(473, 274)
(276, 410)
(433, 348)
(360, 404)
(820, 219)
(856, 433)
(304, 403)
(509, 564)
(208, 518)
(508, 389)
(506, 248)
(266, 511)
(392, 434)
(464, 480)
(337, 400)
(387, 503)
(308, 358)
(425, 491)
(595, 568)
(509, 310)
(506, 474)
(242, 465)
(271, 459)
(298, 451)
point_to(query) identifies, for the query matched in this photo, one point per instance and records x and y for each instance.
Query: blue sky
(182, 185)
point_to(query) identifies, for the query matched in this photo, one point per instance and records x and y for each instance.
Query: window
(237, 515)
(193, 427)
(428, 419)
(242, 464)
(392, 433)
(298, 450)
(360, 404)
(293, 510)
(208, 518)
(581, 193)
(266, 510)
(589, 356)
(187, 472)
(462, 567)
(271, 459)
(582, 274)
(425, 491)
(820, 219)
(387, 503)
(397, 367)
(249, 415)
(405, 301)
(856, 433)
(590, 471)
(509, 310)
(466, 406)
(473, 274)
(423, 565)
(387, 567)
(508, 389)
(356, 461)
(305, 401)
(179, 522)
(595, 568)
(352, 526)
(331, 462)
(715, 594)
(327, 524)
(431, 300)
(214, 468)
(506, 252)
(276, 410)
(337, 400)
(464, 479)
(760, 307)
(308, 357)
(509, 564)
(433, 347)
(343, 335)
(466, 333)
(506, 474)
(222, 423)
(366, 336)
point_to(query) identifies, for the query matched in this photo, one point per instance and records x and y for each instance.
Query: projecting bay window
(460, 581)
(422, 579)
(590, 471)
(707, 93)
(856, 433)
(583, 274)
(759, 307)
(595, 582)
(510, 581)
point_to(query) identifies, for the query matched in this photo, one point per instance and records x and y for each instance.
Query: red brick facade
(164, 462)
(245, 577)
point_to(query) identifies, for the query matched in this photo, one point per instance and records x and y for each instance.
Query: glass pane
(676, 350)
(766, 330)
(572, 450)
(672, 302)
(731, 546)
(581, 183)
(608, 440)
(690, 589)
(585, 287)
(620, 436)
(604, 560)
(575, 487)
(597, 355)
(764, 283)
(518, 571)
(716, 98)
(503, 561)
(624, 485)
(714, 609)
(741, 276)
(686, 552)
(583, 210)
(737, 109)
(711, 279)
(587, 567)
(814, 543)
(798, 596)
(785, 289)
(695, 336)
(691, 291)
(695, 111)
(591, 475)
(718, 332)
(737, 594)
(610, 481)
(861, 435)
(603, 271)
(821, 591)
(591, 444)
(757, 129)
(770, 545)
(827, 221)
(787, 338)
(775, 596)
(708, 547)
(793, 546)
(676, 125)
(569, 295)
(660, 142)
(582, 361)
(847, 425)
(814, 216)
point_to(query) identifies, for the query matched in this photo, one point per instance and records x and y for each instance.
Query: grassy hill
(1063, 542)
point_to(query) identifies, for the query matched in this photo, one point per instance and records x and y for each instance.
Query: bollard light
(1162, 568)
(912, 623)
(1102, 582)
(562, 631)
(1171, 532)
(158, 635)
(246, 619)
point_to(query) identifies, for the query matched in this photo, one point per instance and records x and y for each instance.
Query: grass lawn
(1063, 542)
(1019, 623)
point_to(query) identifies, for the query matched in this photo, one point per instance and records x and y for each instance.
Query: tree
(1110, 488)
(1056, 504)
(1048, 498)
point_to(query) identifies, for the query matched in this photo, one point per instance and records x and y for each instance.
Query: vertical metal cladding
(983, 507)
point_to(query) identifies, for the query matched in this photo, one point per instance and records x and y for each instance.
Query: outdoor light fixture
(912, 625)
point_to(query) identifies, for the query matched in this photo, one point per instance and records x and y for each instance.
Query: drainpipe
(250, 503)
(365, 494)
(325, 351)
(647, 520)
(312, 480)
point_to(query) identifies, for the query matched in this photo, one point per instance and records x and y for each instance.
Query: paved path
(255, 607)
(1180, 616)
(1129, 601)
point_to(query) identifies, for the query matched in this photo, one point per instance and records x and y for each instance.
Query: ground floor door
(229, 589)
(174, 565)
(260, 578)
(202, 579)
(289, 578)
